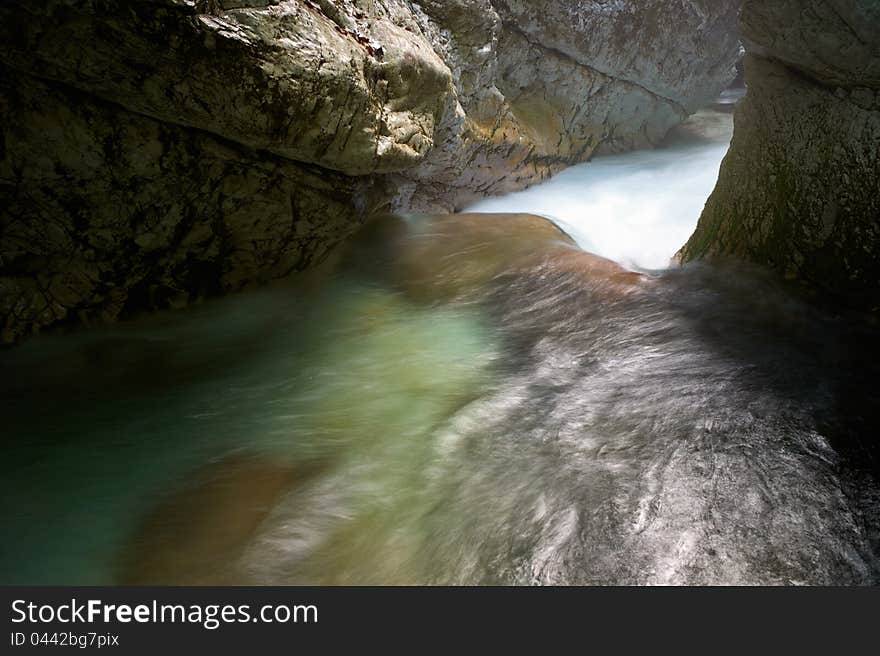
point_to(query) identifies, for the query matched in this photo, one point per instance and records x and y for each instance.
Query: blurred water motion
(466, 399)
(636, 208)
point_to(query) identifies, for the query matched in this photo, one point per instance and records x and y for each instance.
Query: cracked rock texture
(153, 152)
(800, 188)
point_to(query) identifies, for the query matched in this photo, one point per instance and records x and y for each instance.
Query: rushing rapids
(637, 208)
(463, 399)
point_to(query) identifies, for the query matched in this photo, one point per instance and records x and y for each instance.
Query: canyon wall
(799, 190)
(154, 152)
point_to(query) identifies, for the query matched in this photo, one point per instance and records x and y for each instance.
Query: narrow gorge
(159, 151)
(445, 292)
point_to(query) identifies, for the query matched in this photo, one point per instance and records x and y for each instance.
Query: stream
(473, 399)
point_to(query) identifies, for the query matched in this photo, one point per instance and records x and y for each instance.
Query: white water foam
(637, 208)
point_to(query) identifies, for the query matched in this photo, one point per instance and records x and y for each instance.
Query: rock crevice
(799, 190)
(153, 152)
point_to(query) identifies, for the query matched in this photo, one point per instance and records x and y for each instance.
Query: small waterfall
(637, 208)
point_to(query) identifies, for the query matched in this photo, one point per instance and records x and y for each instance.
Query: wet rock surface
(555, 420)
(108, 213)
(157, 150)
(800, 188)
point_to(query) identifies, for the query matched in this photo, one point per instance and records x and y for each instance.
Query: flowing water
(637, 208)
(468, 399)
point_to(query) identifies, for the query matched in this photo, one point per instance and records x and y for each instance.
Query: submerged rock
(197, 535)
(565, 422)
(800, 188)
(444, 257)
(155, 151)
(441, 258)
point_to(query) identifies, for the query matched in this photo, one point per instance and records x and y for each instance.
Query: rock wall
(800, 188)
(156, 151)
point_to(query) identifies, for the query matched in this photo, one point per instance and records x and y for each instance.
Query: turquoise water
(131, 411)
(452, 400)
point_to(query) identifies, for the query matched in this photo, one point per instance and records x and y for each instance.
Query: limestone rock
(281, 77)
(106, 213)
(685, 46)
(800, 188)
(156, 151)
